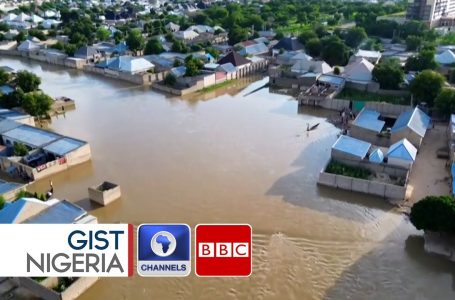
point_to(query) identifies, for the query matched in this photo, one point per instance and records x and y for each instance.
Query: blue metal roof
(11, 114)
(368, 119)
(178, 71)
(336, 80)
(63, 212)
(255, 49)
(11, 210)
(31, 135)
(227, 67)
(64, 146)
(415, 119)
(6, 125)
(352, 146)
(377, 156)
(402, 149)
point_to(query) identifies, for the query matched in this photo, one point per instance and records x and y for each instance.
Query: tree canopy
(334, 51)
(135, 41)
(103, 34)
(434, 213)
(445, 102)
(355, 36)
(27, 81)
(426, 86)
(36, 104)
(388, 74)
(153, 46)
(423, 61)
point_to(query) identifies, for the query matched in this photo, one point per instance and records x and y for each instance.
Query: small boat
(308, 128)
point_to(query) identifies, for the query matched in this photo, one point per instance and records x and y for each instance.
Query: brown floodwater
(223, 157)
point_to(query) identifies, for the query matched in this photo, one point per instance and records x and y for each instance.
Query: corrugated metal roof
(31, 135)
(64, 146)
(415, 119)
(368, 119)
(352, 146)
(63, 212)
(402, 149)
(377, 156)
(332, 79)
(228, 68)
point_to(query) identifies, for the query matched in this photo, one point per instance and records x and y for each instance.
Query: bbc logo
(223, 250)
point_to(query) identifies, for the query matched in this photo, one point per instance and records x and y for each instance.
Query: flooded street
(229, 158)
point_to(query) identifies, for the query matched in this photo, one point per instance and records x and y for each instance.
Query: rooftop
(64, 146)
(31, 135)
(415, 119)
(402, 149)
(63, 212)
(368, 119)
(352, 146)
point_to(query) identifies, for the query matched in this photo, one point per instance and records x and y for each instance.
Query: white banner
(66, 250)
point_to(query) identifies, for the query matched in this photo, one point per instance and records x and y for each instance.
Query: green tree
(4, 77)
(179, 47)
(135, 41)
(37, 104)
(193, 66)
(307, 35)
(153, 46)
(213, 51)
(20, 149)
(2, 202)
(413, 42)
(426, 86)
(170, 80)
(118, 36)
(103, 34)
(445, 102)
(70, 49)
(434, 213)
(21, 37)
(388, 74)
(334, 51)
(313, 47)
(423, 61)
(237, 34)
(355, 36)
(27, 81)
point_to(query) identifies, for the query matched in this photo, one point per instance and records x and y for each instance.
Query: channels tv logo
(223, 250)
(164, 250)
(73, 250)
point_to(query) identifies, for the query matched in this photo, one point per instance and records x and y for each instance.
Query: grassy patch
(335, 167)
(218, 85)
(355, 95)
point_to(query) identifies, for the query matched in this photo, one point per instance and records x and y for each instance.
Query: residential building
(402, 154)
(235, 59)
(360, 71)
(430, 11)
(288, 44)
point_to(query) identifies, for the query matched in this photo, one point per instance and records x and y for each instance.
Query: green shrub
(20, 149)
(2, 202)
(434, 213)
(335, 167)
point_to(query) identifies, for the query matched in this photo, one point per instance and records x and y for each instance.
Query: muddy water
(229, 158)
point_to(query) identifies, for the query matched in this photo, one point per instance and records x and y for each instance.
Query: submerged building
(43, 152)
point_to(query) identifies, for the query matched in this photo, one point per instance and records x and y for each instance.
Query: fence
(376, 188)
